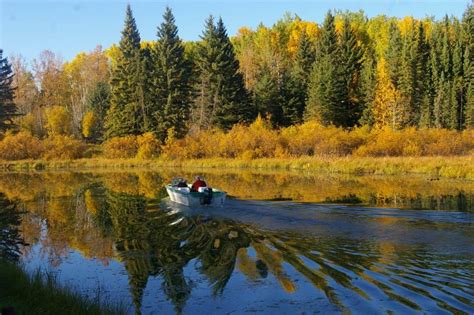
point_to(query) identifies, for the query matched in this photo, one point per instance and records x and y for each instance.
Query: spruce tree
(425, 82)
(8, 109)
(351, 64)
(221, 99)
(170, 81)
(413, 83)
(446, 50)
(393, 54)
(295, 83)
(367, 88)
(268, 97)
(235, 105)
(98, 102)
(468, 67)
(205, 102)
(127, 114)
(326, 89)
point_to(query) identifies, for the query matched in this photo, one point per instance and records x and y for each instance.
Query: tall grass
(461, 167)
(41, 294)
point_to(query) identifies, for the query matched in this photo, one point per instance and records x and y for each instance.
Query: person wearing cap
(198, 183)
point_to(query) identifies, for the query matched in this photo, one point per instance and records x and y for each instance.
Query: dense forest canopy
(348, 71)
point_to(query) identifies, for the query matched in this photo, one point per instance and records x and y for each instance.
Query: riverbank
(41, 294)
(461, 167)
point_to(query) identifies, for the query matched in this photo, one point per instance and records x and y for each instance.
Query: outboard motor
(207, 198)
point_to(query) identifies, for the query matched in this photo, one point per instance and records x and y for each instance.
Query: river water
(283, 242)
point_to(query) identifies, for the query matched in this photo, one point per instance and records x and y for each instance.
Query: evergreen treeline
(348, 71)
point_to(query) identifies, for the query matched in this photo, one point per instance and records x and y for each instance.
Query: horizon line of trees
(347, 72)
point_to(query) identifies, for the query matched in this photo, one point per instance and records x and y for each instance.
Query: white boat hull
(193, 199)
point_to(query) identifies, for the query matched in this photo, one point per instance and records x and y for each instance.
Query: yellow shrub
(313, 139)
(148, 146)
(120, 147)
(388, 142)
(259, 140)
(20, 146)
(60, 147)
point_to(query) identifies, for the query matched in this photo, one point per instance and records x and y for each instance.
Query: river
(284, 242)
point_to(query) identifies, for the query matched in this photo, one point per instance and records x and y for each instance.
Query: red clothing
(197, 184)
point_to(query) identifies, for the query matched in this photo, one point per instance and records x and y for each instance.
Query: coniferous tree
(393, 54)
(351, 63)
(295, 83)
(8, 109)
(326, 89)
(446, 52)
(98, 103)
(98, 100)
(205, 103)
(407, 80)
(442, 103)
(425, 81)
(170, 88)
(468, 66)
(268, 97)
(221, 98)
(235, 104)
(368, 80)
(127, 114)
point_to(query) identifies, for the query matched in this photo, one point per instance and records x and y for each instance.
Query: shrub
(259, 140)
(61, 147)
(313, 139)
(148, 146)
(20, 146)
(120, 147)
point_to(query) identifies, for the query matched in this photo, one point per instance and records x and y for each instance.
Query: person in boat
(198, 183)
(182, 183)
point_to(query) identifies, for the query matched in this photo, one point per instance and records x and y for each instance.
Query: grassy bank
(449, 167)
(40, 294)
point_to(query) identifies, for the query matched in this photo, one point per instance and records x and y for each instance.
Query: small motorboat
(180, 192)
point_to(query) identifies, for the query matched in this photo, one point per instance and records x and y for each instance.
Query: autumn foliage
(23, 145)
(144, 146)
(259, 140)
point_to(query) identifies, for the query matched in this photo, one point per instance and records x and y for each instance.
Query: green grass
(41, 294)
(461, 167)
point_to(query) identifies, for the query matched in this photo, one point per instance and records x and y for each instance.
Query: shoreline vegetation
(461, 167)
(40, 293)
(307, 147)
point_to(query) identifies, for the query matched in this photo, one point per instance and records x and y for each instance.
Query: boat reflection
(380, 259)
(156, 238)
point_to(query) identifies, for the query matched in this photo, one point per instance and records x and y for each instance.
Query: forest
(351, 85)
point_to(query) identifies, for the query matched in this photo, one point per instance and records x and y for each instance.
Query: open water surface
(283, 243)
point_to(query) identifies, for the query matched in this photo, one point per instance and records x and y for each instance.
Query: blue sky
(68, 27)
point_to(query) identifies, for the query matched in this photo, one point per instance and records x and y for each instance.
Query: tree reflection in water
(160, 242)
(10, 238)
(121, 216)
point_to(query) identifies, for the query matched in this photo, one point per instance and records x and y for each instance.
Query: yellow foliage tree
(386, 97)
(58, 121)
(90, 123)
